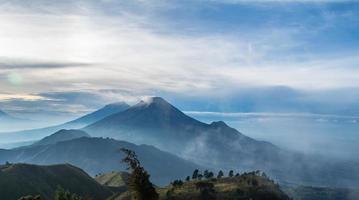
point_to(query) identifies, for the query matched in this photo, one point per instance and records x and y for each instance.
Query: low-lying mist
(328, 135)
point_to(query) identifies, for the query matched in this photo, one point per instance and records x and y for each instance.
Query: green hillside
(246, 186)
(113, 179)
(17, 180)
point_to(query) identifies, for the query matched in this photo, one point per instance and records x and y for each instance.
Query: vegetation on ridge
(139, 183)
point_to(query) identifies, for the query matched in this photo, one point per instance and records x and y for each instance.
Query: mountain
(157, 122)
(99, 155)
(36, 134)
(10, 123)
(17, 180)
(6, 116)
(62, 135)
(219, 146)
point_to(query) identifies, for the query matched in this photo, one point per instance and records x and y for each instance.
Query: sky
(66, 58)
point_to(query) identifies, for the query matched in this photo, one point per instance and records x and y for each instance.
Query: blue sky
(225, 56)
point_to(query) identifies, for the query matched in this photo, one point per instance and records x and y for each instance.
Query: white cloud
(130, 52)
(26, 97)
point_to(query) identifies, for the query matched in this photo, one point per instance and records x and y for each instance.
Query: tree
(220, 174)
(188, 178)
(206, 190)
(200, 176)
(177, 183)
(205, 174)
(237, 175)
(195, 174)
(139, 183)
(264, 175)
(230, 174)
(210, 175)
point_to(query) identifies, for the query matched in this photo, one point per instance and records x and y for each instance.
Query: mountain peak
(150, 113)
(219, 124)
(153, 101)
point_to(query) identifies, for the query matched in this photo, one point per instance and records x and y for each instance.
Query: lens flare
(14, 78)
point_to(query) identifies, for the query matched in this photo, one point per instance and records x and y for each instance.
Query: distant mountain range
(7, 118)
(217, 145)
(62, 135)
(99, 155)
(9, 122)
(37, 134)
(17, 180)
(157, 123)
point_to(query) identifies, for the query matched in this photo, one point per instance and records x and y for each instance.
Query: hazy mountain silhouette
(217, 145)
(99, 114)
(5, 117)
(99, 155)
(62, 135)
(9, 122)
(36, 134)
(159, 123)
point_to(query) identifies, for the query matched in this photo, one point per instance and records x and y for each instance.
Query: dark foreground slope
(17, 180)
(99, 155)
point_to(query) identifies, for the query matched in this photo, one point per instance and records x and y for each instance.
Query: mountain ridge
(62, 135)
(158, 120)
(217, 145)
(100, 155)
(103, 112)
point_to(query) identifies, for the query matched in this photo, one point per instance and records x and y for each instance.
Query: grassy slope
(113, 179)
(18, 180)
(243, 187)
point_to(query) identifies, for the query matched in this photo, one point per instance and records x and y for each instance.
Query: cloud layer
(199, 48)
